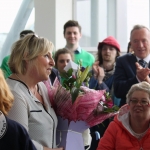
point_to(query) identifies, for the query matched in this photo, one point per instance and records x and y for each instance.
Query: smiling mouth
(138, 110)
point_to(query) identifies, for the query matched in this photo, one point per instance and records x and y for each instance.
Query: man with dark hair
(133, 68)
(103, 76)
(72, 34)
(25, 32)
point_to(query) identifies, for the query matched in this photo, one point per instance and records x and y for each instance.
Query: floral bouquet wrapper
(77, 106)
(81, 109)
(74, 118)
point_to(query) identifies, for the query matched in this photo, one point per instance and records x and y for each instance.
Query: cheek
(59, 65)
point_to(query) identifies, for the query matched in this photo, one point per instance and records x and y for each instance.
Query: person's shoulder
(126, 57)
(15, 126)
(87, 53)
(6, 58)
(17, 136)
(12, 123)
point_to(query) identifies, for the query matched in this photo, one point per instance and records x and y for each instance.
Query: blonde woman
(12, 134)
(31, 63)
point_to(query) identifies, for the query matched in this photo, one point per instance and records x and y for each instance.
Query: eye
(135, 41)
(104, 48)
(144, 40)
(134, 101)
(47, 56)
(144, 102)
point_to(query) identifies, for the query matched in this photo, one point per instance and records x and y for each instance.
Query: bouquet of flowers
(73, 101)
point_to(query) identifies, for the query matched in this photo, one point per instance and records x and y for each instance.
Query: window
(102, 18)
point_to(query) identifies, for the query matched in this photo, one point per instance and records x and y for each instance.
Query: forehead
(140, 34)
(72, 29)
(65, 56)
(140, 94)
(108, 46)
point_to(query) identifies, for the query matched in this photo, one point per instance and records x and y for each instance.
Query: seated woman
(13, 135)
(31, 63)
(131, 127)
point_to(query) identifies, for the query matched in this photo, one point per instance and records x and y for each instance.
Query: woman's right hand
(60, 148)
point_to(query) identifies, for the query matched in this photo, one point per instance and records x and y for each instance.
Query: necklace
(33, 92)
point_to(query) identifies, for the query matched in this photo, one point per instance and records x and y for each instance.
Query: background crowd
(125, 77)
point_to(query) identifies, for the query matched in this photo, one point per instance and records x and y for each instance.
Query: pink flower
(103, 99)
(73, 76)
(109, 104)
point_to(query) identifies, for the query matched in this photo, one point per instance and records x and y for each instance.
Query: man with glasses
(133, 68)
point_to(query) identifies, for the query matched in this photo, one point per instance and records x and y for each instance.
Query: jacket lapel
(132, 60)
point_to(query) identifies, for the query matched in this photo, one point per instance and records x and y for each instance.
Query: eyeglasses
(142, 102)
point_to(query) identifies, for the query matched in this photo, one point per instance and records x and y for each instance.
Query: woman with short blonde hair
(31, 63)
(131, 127)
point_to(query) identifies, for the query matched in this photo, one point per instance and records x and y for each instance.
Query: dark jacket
(16, 137)
(124, 76)
(53, 75)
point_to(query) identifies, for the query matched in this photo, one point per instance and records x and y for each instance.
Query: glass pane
(84, 18)
(8, 11)
(100, 18)
(138, 13)
(30, 22)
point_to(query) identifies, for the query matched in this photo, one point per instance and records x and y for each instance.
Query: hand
(99, 73)
(142, 73)
(95, 68)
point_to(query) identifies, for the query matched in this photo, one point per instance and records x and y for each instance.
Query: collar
(147, 59)
(77, 50)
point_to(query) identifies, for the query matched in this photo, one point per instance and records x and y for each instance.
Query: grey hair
(142, 86)
(137, 27)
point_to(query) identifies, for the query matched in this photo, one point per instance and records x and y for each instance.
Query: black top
(15, 137)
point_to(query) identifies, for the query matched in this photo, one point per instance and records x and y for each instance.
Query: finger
(138, 66)
(101, 70)
(96, 63)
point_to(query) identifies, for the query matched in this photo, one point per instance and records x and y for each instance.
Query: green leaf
(75, 94)
(69, 72)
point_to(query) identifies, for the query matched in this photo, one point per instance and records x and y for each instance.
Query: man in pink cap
(103, 77)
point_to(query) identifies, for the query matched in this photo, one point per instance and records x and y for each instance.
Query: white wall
(50, 16)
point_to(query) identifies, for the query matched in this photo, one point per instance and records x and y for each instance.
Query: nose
(107, 50)
(139, 103)
(65, 63)
(140, 44)
(52, 62)
(72, 35)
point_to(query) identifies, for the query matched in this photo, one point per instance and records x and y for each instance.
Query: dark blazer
(16, 137)
(53, 75)
(124, 76)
